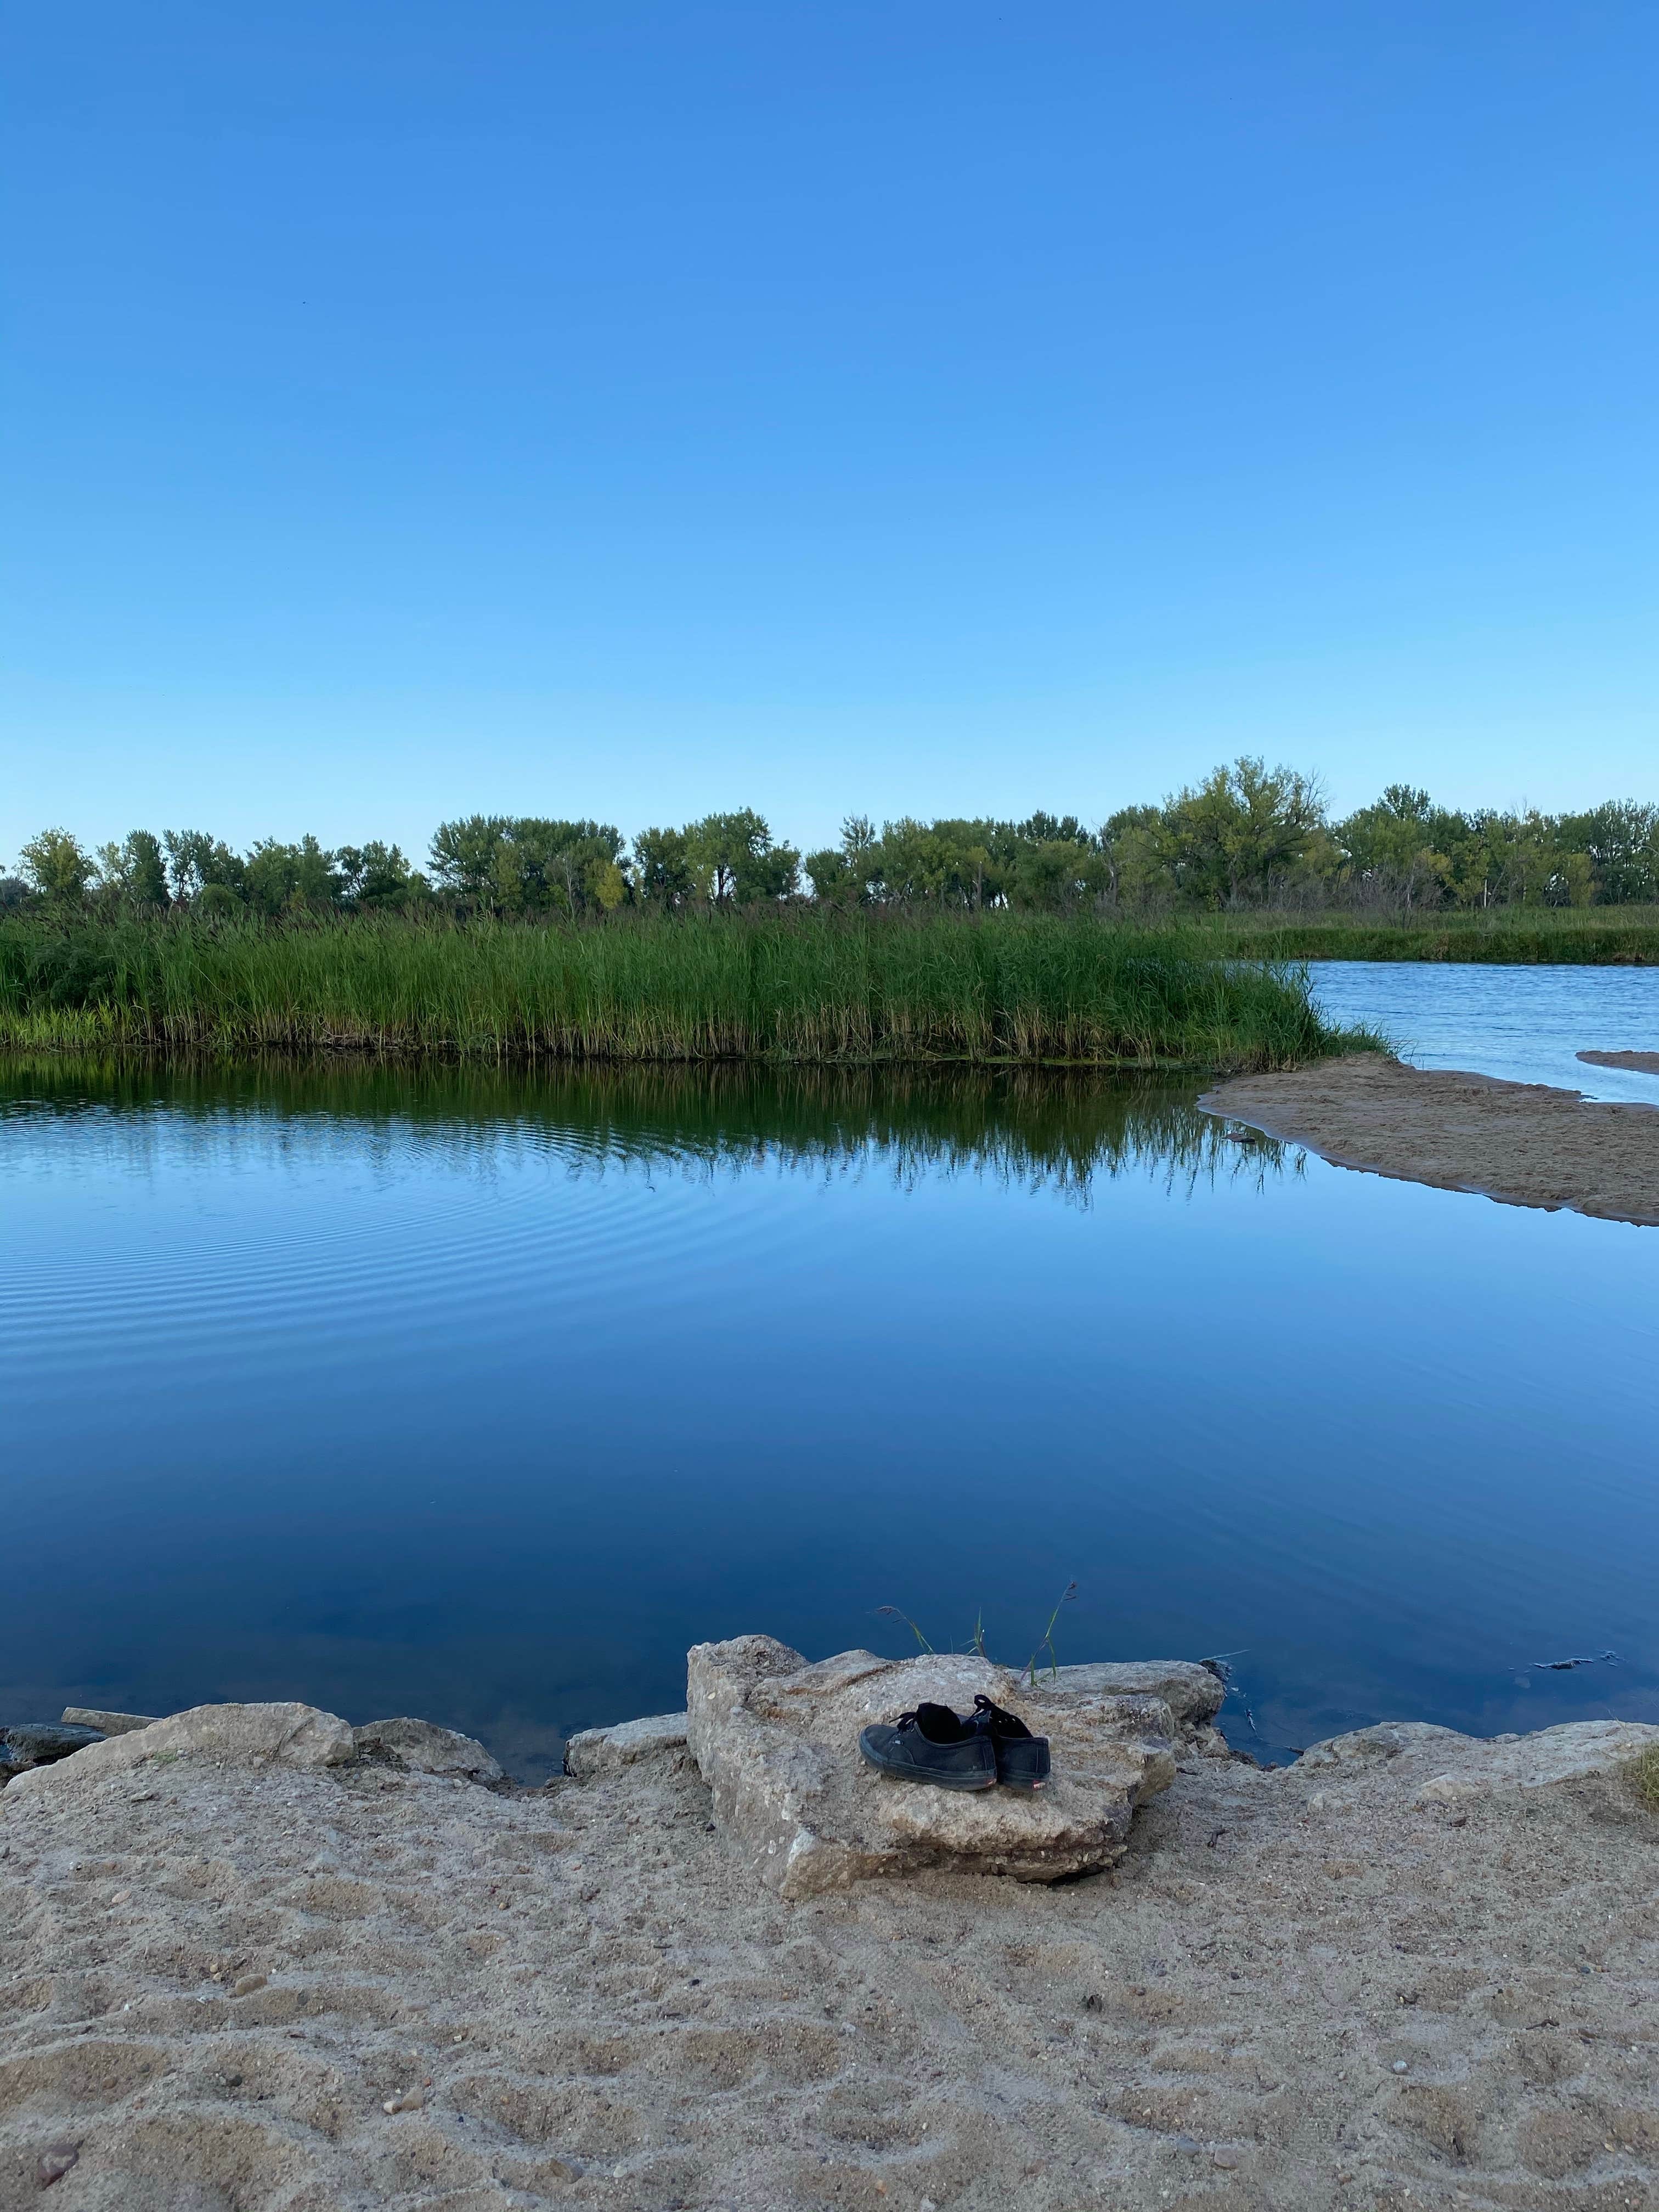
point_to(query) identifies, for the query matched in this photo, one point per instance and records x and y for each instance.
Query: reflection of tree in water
(1038, 1128)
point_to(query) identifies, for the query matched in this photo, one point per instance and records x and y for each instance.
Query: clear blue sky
(410, 408)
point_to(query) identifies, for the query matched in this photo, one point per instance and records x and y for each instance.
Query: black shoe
(932, 1744)
(1022, 1758)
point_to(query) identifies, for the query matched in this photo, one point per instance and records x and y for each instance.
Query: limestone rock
(26, 1744)
(1192, 1692)
(108, 1723)
(1440, 1767)
(776, 1740)
(429, 1749)
(229, 1735)
(604, 1751)
(1387, 1739)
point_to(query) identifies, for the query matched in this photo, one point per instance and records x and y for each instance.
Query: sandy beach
(1524, 1144)
(1412, 1970)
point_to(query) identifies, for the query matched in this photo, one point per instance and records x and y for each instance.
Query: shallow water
(482, 1397)
(1527, 1024)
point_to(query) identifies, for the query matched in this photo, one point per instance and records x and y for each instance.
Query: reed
(1521, 936)
(808, 988)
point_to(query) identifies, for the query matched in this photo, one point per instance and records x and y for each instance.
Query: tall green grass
(806, 989)
(1525, 936)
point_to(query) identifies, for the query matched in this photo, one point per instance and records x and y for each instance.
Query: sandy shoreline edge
(294, 1978)
(1521, 1143)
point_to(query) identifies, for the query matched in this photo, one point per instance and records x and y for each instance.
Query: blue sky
(411, 409)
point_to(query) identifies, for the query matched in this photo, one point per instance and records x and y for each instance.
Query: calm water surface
(483, 1397)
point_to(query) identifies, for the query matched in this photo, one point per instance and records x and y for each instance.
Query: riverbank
(1526, 936)
(792, 988)
(1524, 1144)
(1411, 1969)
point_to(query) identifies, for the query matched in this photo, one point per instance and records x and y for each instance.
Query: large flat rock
(777, 1741)
(224, 1735)
(1438, 1765)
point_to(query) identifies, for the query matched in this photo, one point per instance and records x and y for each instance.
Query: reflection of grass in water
(790, 988)
(1041, 1129)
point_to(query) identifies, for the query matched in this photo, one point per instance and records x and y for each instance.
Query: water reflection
(482, 1393)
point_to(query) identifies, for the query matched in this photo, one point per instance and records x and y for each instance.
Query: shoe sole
(967, 1783)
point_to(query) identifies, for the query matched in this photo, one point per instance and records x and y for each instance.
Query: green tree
(133, 873)
(376, 875)
(195, 859)
(1242, 829)
(463, 855)
(662, 867)
(57, 867)
(733, 861)
(279, 878)
(1620, 840)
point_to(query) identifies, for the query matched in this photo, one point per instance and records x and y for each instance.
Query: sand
(1638, 1063)
(1302, 1989)
(1524, 1144)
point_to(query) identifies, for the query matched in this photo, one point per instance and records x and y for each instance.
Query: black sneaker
(1022, 1758)
(935, 1745)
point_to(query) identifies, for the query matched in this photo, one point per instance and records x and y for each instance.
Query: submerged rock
(26, 1744)
(777, 1741)
(604, 1751)
(429, 1749)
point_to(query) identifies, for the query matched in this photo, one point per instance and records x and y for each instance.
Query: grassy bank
(804, 988)
(1528, 936)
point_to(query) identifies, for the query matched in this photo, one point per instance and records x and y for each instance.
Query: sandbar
(1524, 1144)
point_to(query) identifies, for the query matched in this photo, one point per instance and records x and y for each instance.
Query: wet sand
(1638, 1063)
(1524, 1144)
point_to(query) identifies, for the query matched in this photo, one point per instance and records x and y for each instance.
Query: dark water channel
(482, 1396)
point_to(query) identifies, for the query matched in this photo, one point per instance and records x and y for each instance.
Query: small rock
(607, 1750)
(1226, 2159)
(55, 2161)
(1400, 2067)
(428, 1748)
(248, 1984)
(410, 2101)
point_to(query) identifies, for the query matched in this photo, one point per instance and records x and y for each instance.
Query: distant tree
(375, 875)
(14, 893)
(733, 861)
(57, 867)
(526, 863)
(464, 852)
(133, 873)
(195, 859)
(662, 867)
(1241, 829)
(280, 878)
(1620, 839)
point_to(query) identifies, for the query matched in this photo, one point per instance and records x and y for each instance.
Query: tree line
(1246, 836)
